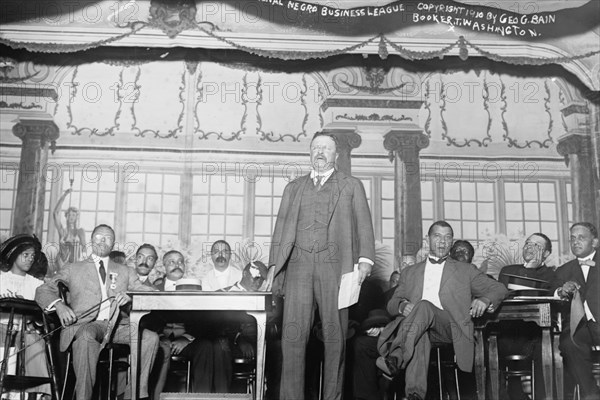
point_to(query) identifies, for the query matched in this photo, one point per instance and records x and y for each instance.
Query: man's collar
(222, 273)
(143, 278)
(588, 257)
(324, 175)
(97, 258)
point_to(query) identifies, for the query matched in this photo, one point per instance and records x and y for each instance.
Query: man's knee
(87, 333)
(150, 337)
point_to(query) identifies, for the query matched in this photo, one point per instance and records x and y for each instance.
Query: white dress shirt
(586, 270)
(104, 313)
(431, 282)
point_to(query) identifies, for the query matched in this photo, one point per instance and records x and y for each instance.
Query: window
(387, 212)
(8, 192)
(217, 209)
(268, 193)
(153, 209)
(531, 207)
(469, 208)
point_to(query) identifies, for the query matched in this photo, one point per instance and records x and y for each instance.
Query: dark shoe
(413, 396)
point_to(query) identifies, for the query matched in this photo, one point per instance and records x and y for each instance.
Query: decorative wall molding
(374, 117)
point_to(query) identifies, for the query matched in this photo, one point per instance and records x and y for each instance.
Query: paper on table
(349, 289)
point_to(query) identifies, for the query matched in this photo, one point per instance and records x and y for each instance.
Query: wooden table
(255, 304)
(536, 309)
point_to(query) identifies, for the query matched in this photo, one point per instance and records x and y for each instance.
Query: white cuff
(366, 260)
(51, 305)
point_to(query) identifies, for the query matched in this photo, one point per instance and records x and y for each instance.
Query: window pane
(530, 191)
(532, 211)
(512, 191)
(452, 210)
(468, 190)
(485, 191)
(547, 191)
(451, 191)
(514, 211)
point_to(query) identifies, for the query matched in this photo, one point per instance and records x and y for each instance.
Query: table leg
(480, 364)
(494, 368)
(134, 345)
(547, 370)
(261, 329)
(558, 368)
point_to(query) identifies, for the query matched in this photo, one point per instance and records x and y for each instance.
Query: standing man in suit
(323, 229)
(222, 275)
(435, 302)
(145, 259)
(579, 282)
(91, 282)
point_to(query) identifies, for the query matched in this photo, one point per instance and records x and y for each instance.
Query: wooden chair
(26, 309)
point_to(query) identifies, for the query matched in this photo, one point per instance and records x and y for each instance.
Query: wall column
(404, 148)
(577, 149)
(37, 136)
(347, 139)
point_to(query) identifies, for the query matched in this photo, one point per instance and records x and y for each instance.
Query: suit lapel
(338, 180)
(448, 273)
(419, 280)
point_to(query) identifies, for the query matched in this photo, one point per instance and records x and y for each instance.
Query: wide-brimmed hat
(190, 284)
(13, 246)
(376, 318)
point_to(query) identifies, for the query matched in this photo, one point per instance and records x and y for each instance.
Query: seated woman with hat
(17, 255)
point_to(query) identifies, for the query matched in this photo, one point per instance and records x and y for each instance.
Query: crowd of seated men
(387, 347)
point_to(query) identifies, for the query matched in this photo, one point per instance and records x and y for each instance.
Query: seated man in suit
(222, 275)
(524, 338)
(435, 301)
(89, 319)
(579, 282)
(145, 259)
(175, 338)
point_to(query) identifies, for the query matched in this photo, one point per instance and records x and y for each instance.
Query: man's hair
(466, 244)
(442, 224)
(168, 253)
(548, 246)
(103, 226)
(591, 227)
(146, 246)
(327, 134)
(218, 242)
(394, 273)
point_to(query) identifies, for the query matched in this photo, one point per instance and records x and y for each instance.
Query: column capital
(347, 139)
(405, 143)
(574, 144)
(37, 129)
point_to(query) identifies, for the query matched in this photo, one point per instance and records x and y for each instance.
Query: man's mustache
(221, 259)
(143, 265)
(177, 269)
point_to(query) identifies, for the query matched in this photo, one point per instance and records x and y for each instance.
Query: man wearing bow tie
(323, 228)
(578, 281)
(434, 302)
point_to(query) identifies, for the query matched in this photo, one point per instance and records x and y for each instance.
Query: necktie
(318, 182)
(434, 261)
(577, 313)
(102, 272)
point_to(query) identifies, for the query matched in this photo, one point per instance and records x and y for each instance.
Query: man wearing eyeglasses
(88, 318)
(222, 275)
(520, 337)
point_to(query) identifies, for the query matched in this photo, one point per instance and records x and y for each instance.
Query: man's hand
(568, 289)
(122, 299)
(374, 332)
(65, 314)
(246, 348)
(407, 308)
(177, 345)
(478, 307)
(364, 270)
(10, 295)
